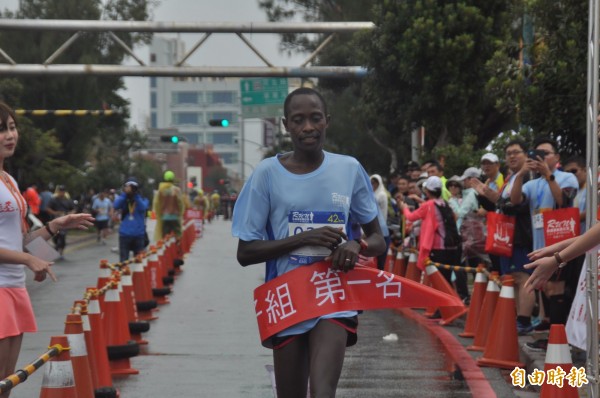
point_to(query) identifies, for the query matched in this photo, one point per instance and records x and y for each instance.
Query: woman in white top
(16, 316)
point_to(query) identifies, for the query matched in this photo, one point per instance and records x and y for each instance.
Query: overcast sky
(218, 50)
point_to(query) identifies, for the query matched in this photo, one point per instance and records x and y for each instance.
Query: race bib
(538, 220)
(300, 221)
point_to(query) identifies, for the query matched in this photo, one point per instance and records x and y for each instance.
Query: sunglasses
(572, 171)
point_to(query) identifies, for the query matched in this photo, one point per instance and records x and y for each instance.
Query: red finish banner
(316, 290)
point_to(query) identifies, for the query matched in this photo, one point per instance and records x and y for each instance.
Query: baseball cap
(490, 157)
(433, 183)
(470, 172)
(132, 181)
(454, 179)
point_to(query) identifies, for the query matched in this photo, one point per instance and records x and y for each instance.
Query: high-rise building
(189, 103)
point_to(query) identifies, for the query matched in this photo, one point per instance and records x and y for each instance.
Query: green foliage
(457, 158)
(433, 54)
(86, 143)
(549, 93)
(427, 60)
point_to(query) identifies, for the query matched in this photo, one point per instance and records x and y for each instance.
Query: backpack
(452, 238)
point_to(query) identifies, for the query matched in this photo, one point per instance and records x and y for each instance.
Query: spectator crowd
(448, 220)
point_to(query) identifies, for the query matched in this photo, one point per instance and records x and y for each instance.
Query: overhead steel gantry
(48, 67)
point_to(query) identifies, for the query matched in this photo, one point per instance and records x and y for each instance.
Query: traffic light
(170, 138)
(192, 183)
(218, 122)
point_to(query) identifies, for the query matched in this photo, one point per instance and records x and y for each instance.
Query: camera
(535, 153)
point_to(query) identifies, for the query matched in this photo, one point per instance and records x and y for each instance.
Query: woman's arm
(71, 221)
(546, 266)
(36, 265)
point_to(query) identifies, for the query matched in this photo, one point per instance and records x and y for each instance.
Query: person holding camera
(132, 231)
(552, 189)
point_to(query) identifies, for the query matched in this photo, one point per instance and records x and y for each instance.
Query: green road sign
(263, 97)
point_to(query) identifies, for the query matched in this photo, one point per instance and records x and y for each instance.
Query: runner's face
(306, 122)
(9, 136)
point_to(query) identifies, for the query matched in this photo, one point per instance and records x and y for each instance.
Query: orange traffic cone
(429, 311)
(103, 274)
(400, 264)
(80, 306)
(143, 292)
(159, 291)
(412, 271)
(558, 354)
(438, 282)
(502, 345)
(100, 356)
(165, 259)
(79, 358)
(486, 314)
(475, 306)
(58, 381)
(120, 347)
(136, 327)
(390, 260)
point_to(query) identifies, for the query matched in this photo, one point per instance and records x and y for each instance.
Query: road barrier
(104, 329)
(22, 374)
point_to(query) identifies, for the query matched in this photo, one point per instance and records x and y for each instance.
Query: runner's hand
(344, 258)
(328, 237)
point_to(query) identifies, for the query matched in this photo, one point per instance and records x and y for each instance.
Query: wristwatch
(559, 261)
(550, 178)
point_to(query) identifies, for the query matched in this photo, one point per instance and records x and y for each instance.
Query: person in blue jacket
(132, 206)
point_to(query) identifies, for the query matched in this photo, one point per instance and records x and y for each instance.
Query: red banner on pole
(316, 290)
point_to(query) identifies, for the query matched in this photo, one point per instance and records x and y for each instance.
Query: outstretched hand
(73, 221)
(543, 269)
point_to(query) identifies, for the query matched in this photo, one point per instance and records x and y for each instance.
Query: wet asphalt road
(205, 342)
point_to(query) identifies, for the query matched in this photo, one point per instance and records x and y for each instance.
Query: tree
(548, 93)
(433, 54)
(427, 68)
(78, 135)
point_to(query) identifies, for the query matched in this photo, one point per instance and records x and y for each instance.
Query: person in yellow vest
(168, 205)
(215, 203)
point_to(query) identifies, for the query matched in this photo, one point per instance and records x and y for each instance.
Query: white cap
(471, 172)
(433, 183)
(490, 157)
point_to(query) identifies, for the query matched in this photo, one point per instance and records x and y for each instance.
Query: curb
(472, 373)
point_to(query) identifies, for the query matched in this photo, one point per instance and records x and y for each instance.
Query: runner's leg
(291, 368)
(327, 342)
